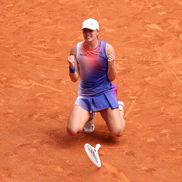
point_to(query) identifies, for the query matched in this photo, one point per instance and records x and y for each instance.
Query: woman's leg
(77, 119)
(114, 120)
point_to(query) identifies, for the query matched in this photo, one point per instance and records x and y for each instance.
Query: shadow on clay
(62, 139)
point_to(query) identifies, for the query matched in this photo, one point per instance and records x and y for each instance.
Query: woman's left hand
(111, 57)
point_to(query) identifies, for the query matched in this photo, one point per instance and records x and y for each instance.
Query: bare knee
(72, 132)
(117, 132)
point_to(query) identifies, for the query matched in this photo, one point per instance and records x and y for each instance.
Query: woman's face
(90, 35)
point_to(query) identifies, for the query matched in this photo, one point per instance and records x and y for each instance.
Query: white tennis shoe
(89, 126)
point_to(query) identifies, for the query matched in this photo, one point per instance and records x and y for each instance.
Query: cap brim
(88, 28)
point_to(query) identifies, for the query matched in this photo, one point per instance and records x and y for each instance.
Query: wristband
(72, 70)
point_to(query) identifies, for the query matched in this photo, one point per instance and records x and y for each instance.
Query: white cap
(91, 24)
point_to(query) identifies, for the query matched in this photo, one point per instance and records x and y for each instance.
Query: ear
(97, 32)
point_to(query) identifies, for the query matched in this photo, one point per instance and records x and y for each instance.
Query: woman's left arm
(110, 52)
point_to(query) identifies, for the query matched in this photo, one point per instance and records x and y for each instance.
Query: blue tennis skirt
(99, 102)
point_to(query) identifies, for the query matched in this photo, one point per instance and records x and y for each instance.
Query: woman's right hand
(71, 61)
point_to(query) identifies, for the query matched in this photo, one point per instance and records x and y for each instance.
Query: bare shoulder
(109, 49)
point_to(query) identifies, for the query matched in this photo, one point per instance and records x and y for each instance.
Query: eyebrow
(87, 29)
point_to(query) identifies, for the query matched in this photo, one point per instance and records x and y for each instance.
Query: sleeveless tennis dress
(96, 92)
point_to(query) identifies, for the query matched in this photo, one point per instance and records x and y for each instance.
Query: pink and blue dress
(96, 92)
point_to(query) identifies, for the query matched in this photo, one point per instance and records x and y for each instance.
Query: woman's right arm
(73, 66)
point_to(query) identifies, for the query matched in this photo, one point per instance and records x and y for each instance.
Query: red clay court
(37, 94)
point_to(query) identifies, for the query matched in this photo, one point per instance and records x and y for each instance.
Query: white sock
(121, 105)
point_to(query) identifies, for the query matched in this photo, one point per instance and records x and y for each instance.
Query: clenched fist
(111, 57)
(71, 61)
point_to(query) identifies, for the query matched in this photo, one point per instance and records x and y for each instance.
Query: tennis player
(92, 62)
